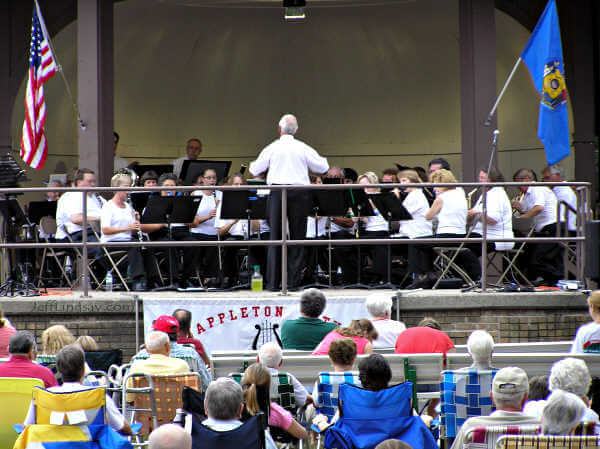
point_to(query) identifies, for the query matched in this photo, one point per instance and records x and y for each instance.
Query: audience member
(6, 331)
(427, 337)
(185, 336)
(360, 331)
(480, 346)
(256, 383)
(374, 372)
(379, 306)
(70, 363)
(170, 326)
(587, 338)
(306, 332)
(23, 352)
(271, 355)
(87, 343)
(570, 375)
(509, 392)
(342, 353)
(223, 404)
(55, 338)
(562, 413)
(170, 436)
(538, 388)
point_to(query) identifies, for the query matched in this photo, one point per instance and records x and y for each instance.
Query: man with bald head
(169, 436)
(287, 161)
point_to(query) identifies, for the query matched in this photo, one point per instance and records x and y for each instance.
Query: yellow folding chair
(15, 394)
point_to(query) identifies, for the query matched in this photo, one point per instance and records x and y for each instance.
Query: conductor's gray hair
(570, 375)
(480, 345)
(288, 124)
(379, 305)
(562, 413)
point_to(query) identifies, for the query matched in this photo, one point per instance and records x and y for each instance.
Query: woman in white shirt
(120, 223)
(417, 206)
(203, 228)
(499, 215)
(376, 227)
(450, 207)
(229, 229)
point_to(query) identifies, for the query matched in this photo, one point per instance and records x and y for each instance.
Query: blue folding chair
(369, 417)
(464, 394)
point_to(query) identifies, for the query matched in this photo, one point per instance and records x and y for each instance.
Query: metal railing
(582, 190)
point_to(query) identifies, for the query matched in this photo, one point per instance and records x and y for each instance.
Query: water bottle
(256, 282)
(108, 281)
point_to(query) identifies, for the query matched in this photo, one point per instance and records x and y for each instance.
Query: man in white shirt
(69, 211)
(271, 355)
(288, 161)
(544, 261)
(564, 194)
(193, 148)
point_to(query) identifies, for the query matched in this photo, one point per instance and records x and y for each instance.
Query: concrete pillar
(95, 72)
(477, 29)
(576, 21)
(5, 65)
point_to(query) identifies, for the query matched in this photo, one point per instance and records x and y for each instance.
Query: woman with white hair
(570, 375)
(562, 413)
(587, 338)
(379, 306)
(480, 346)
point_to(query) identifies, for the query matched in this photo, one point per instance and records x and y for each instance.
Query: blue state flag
(543, 57)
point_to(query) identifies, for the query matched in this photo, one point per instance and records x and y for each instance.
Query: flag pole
(59, 68)
(488, 121)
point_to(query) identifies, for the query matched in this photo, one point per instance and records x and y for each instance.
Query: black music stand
(158, 168)
(391, 209)
(243, 205)
(327, 203)
(169, 209)
(361, 208)
(14, 217)
(190, 170)
(40, 209)
(139, 200)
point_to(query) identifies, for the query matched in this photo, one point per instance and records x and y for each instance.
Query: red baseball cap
(166, 324)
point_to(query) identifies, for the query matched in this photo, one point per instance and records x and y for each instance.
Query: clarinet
(139, 231)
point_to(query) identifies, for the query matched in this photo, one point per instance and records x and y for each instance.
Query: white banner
(235, 324)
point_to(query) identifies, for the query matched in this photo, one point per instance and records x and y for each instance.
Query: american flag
(34, 148)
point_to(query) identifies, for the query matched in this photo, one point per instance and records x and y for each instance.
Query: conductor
(287, 161)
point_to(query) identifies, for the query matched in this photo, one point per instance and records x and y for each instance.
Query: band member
(499, 214)
(450, 207)
(232, 229)
(544, 261)
(193, 148)
(120, 223)
(564, 194)
(69, 211)
(288, 161)
(149, 179)
(314, 255)
(203, 228)
(179, 231)
(376, 227)
(417, 206)
(343, 257)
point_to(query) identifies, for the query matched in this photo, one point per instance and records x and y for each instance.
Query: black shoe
(423, 282)
(212, 283)
(139, 286)
(182, 283)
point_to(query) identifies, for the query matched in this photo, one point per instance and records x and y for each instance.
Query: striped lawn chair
(464, 394)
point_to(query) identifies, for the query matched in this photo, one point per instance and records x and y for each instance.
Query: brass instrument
(517, 198)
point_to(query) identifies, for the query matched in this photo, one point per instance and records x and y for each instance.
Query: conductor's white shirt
(288, 160)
